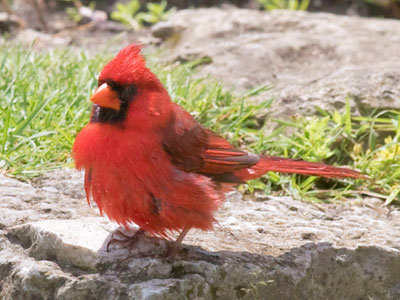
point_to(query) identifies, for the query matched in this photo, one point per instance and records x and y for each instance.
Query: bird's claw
(126, 238)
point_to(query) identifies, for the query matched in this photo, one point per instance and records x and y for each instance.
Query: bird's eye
(127, 93)
(114, 86)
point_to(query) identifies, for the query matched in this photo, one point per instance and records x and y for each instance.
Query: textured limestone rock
(271, 248)
(309, 59)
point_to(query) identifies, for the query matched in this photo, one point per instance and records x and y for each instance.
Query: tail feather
(287, 165)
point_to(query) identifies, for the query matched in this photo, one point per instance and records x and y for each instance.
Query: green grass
(44, 103)
(339, 139)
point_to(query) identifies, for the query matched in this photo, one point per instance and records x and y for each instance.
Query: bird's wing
(193, 148)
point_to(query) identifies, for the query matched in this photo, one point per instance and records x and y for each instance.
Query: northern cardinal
(148, 161)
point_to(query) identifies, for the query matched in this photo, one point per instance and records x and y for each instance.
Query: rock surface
(53, 246)
(309, 59)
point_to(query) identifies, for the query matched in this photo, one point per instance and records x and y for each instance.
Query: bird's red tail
(287, 165)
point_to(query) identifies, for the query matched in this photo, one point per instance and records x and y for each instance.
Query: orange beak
(104, 96)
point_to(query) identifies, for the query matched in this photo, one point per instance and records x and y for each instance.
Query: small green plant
(127, 14)
(157, 12)
(381, 159)
(73, 14)
(130, 15)
(258, 281)
(73, 11)
(284, 4)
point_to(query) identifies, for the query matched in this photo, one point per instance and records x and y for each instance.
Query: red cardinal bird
(148, 161)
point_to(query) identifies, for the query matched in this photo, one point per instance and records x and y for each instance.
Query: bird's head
(128, 92)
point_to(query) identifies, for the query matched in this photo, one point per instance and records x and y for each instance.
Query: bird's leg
(126, 238)
(175, 245)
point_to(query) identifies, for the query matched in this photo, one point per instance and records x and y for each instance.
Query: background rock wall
(309, 59)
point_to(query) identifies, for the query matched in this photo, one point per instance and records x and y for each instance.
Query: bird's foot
(174, 246)
(131, 241)
(126, 239)
(171, 251)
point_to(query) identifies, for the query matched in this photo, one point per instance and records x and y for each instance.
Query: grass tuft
(43, 104)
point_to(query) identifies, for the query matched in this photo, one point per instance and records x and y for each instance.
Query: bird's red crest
(128, 67)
